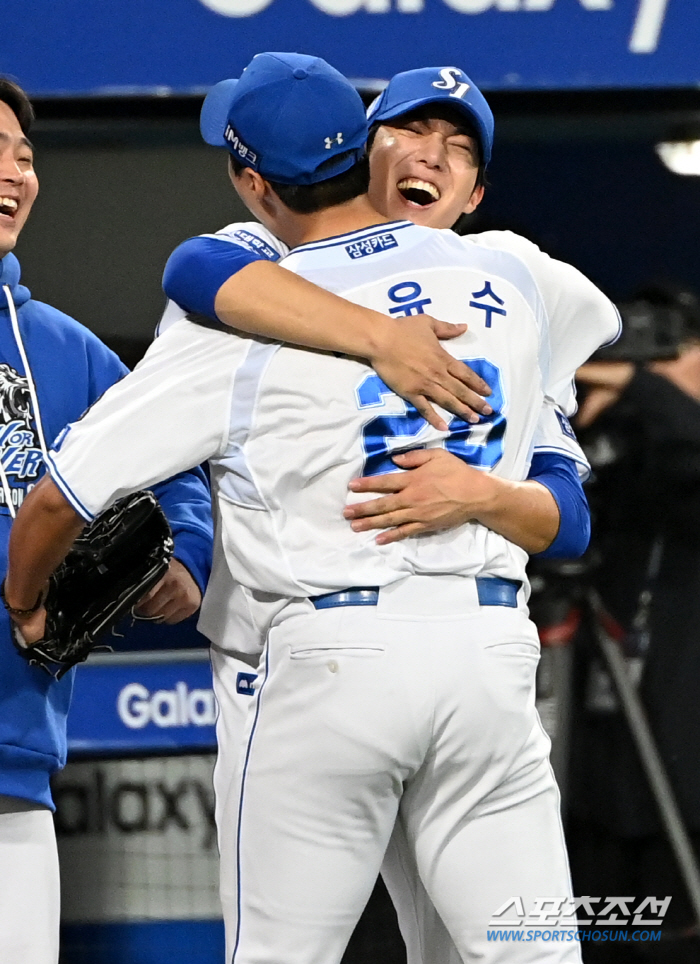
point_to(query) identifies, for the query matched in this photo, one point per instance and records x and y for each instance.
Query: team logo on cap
(330, 141)
(245, 153)
(451, 77)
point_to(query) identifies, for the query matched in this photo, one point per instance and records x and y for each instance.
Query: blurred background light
(681, 157)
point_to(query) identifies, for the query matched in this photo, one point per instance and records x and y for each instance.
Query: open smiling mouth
(418, 191)
(8, 206)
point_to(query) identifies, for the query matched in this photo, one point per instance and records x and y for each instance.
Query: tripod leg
(651, 761)
(561, 670)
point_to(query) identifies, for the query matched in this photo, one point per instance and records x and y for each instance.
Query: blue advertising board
(125, 706)
(78, 47)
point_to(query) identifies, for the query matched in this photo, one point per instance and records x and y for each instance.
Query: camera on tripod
(655, 324)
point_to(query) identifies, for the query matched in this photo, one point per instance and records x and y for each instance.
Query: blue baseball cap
(293, 118)
(436, 85)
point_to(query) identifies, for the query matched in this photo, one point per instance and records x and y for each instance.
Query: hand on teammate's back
(414, 364)
(440, 491)
(430, 497)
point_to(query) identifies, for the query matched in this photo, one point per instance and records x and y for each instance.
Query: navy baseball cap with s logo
(411, 89)
(293, 118)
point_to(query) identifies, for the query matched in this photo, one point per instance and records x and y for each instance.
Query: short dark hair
(310, 198)
(18, 102)
(438, 111)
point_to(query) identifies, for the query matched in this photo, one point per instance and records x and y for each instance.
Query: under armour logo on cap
(277, 119)
(330, 141)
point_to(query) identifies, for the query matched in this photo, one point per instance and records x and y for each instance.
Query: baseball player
(231, 276)
(285, 430)
(405, 151)
(51, 370)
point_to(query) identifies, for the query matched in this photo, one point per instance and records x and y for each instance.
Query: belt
(491, 590)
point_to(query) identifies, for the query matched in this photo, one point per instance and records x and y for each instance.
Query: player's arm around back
(545, 514)
(249, 292)
(442, 492)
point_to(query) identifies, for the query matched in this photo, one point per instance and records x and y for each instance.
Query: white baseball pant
(420, 709)
(29, 888)
(426, 938)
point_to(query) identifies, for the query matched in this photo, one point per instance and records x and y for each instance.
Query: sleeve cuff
(195, 557)
(66, 490)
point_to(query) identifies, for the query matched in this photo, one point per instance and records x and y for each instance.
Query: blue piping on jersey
(240, 803)
(618, 332)
(567, 454)
(66, 490)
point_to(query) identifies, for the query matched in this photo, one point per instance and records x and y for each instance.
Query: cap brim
(214, 116)
(408, 105)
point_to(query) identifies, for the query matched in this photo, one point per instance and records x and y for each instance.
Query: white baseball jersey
(285, 429)
(580, 319)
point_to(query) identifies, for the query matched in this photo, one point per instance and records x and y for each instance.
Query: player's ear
(249, 185)
(475, 199)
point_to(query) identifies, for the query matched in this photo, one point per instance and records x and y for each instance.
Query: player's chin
(8, 238)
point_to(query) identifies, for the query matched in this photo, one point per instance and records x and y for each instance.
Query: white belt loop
(433, 596)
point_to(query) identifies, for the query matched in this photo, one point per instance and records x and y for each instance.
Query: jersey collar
(352, 236)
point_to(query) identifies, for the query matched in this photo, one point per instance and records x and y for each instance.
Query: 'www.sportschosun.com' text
(572, 934)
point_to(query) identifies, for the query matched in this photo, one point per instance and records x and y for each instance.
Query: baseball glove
(116, 559)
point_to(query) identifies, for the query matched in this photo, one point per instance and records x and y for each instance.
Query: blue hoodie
(70, 368)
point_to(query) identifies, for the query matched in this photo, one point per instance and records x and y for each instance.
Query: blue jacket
(71, 368)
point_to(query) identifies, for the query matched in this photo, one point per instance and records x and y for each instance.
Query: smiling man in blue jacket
(51, 370)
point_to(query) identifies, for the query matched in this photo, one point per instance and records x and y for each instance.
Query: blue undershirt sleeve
(197, 269)
(186, 501)
(560, 476)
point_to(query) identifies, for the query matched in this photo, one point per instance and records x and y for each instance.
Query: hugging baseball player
(348, 727)
(425, 127)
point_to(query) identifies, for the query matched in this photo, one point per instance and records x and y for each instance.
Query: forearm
(442, 492)
(266, 299)
(41, 535)
(248, 292)
(525, 513)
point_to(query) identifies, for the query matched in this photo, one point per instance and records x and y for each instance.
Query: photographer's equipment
(649, 333)
(563, 600)
(655, 323)
(649, 756)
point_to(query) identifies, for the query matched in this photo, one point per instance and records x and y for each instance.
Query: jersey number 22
(480, 445)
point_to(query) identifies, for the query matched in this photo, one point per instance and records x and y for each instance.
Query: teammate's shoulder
(252, 236)
(61, 333)
(57, 322)
(504, 241)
